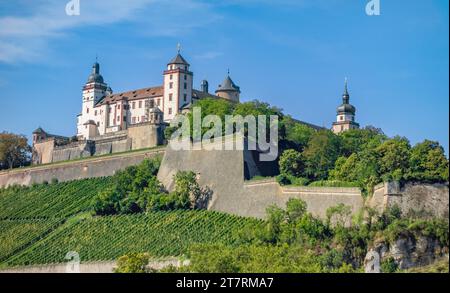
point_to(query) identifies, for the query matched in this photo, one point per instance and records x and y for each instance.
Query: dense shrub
(136, 189)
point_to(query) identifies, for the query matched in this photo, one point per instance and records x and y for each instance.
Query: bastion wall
(67, 171)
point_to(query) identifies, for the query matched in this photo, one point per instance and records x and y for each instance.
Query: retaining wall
(67, 171)
(223, 172)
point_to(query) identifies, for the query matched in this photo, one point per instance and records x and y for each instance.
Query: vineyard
(55, 200)
(15, 234)
(158, 233)
(40, 224)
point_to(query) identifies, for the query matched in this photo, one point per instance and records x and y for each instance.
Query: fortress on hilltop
(118, 122)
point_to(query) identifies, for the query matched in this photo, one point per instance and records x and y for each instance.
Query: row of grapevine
(50, 201)
(158, 233)
(16, 234)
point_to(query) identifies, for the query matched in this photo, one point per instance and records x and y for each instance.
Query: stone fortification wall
(422, 199)
(223, 173)
(66, 171)
(139, 136)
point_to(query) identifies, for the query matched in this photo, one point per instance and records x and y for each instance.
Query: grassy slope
(40, 224)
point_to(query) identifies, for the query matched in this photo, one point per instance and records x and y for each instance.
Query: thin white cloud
(25, 38)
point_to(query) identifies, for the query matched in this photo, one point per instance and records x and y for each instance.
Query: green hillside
(107, 238)
(42, 223)
(57, 200)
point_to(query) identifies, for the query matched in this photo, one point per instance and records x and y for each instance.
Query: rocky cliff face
(406, 252)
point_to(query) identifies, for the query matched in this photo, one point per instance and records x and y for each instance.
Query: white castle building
(111, 123)
(104, 112)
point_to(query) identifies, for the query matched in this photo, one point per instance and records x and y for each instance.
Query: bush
(291, 163)
(389, 266)
(133, 263)
(291, 180)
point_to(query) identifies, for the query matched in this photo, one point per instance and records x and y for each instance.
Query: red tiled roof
(145, 93)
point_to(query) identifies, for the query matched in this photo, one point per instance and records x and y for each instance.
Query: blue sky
(292, 54)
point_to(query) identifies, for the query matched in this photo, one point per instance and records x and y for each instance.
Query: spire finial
(178, 48)
(346, 86)
(228, 71)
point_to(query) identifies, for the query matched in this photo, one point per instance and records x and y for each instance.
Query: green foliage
(133, 263)
(211, 106)
(136, 189)
(428, 163)
(55, 200)
(14, 150)
(321, 154)
(389, 265)
(435, 229)
(339, 215)
(299, 134)
(333, 183)
(291, 163)
(357, 140)
(439, 266)
(361, 168)
(291, 180)
(16, 234)
(159, 234)
(252, 259)
(393, 157)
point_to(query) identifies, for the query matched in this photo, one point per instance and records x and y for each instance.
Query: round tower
(228, 90)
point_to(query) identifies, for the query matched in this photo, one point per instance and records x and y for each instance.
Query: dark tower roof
(39, 131)
(178, 60)
(95, 76)
(346, 107)
(228, 85)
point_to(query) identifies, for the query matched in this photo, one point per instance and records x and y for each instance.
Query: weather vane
(178, 48)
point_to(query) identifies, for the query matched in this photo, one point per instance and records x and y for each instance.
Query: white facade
(107, 112)
(178, 81)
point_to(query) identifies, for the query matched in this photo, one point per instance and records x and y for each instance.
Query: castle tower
(178, 81)
(345, 118)
(93, 91)
(228, 89)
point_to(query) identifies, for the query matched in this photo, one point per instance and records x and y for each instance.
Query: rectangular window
(95, 113)
(118, 118)
(87, 110)
(140, 104)
(133, 120)
(118, 106)
(125, 118)
(171, 77)
(98, 124)
(170, 111)
(133, 105)
(171, 85)
(170, 97)
(185, 97)
(185, 77)
(185, 85)
(159, 102)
